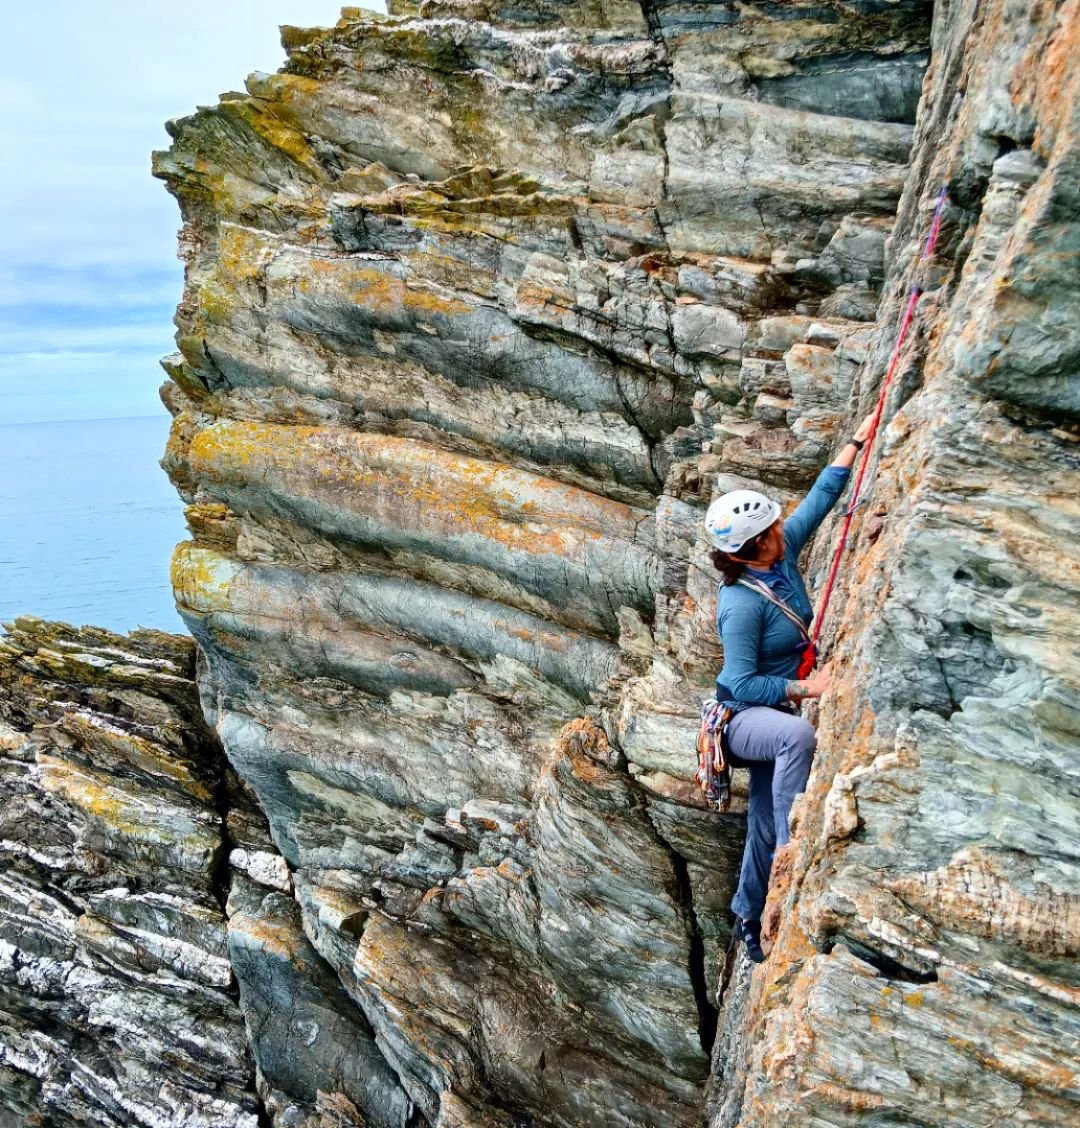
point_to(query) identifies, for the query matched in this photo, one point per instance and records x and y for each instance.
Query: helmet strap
(742, 559)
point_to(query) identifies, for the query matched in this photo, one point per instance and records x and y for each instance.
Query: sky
(88, 271)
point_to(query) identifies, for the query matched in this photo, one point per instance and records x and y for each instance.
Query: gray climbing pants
(779, 749)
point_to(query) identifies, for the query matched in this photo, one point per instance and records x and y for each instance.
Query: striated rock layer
(153, 970)
(925, 967)
(117, 999)
(483, 303)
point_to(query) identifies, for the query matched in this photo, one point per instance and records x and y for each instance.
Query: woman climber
(761, 600)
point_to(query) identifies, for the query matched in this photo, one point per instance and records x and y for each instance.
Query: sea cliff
(484, 302)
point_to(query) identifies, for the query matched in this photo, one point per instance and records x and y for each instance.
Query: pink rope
(864, 461)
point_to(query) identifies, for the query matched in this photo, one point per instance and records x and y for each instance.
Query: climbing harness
(713, 773)
(715, 758)
(856, 500)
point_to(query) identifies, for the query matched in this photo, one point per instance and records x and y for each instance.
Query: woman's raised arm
(846, 458)
(801, 525)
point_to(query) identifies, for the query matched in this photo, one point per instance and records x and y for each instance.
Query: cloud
(47, 313)
(89, 274)
(101, 287)
(78, 121)
(47, 340)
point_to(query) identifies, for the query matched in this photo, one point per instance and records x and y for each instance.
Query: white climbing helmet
(735, 517)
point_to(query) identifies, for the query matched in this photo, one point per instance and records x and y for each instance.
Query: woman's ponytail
(731, 567)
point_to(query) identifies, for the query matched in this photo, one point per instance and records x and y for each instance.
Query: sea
(88, 521)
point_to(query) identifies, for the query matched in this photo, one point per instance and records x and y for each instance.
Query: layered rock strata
(117, 999)
(483, 303)
(929, 912)
(153, 970)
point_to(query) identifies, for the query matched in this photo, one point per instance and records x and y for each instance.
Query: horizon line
(87, 419)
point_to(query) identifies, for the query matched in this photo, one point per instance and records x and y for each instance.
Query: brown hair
(730, 568)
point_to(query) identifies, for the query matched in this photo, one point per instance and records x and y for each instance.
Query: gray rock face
(117, 999)
(153, 970)
(444, 384)
(308, 1039)
(484, 302)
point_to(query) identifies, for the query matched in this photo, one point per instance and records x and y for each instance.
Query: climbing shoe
(749, 932)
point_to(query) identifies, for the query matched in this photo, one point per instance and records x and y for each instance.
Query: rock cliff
(929, 909)
(117, 997)
(484, 302)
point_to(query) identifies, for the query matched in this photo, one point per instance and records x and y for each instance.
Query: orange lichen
(406, 484)
(274, 939)
(143, 753)
(274, 131)
(119, 812)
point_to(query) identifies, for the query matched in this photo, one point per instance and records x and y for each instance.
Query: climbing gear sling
(715, 758)
(809, 651)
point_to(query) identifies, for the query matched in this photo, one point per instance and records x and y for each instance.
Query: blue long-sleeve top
(761, 645)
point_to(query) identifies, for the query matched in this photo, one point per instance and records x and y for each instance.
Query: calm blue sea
(88, 521)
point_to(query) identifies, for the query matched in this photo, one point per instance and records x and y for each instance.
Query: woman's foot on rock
(749, 932)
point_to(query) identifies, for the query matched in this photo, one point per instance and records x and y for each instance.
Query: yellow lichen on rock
(201, 578)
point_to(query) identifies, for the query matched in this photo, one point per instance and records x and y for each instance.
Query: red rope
(864, 462)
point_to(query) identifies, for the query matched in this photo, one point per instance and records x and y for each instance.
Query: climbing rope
(864, 460)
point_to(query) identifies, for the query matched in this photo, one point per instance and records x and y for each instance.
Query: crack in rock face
(484, 303)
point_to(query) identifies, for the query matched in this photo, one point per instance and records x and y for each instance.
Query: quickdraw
(713, 773)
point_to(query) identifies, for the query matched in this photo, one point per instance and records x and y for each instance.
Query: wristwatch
(858, 444)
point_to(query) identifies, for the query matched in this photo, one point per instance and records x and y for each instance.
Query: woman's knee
(800, 739)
